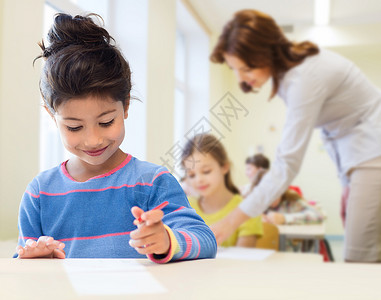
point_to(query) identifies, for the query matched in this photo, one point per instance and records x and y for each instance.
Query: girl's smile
(203, 187)
(96, 152)
(92, 128)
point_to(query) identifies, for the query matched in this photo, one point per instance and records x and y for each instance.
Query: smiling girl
(90, 205)
(208, 172)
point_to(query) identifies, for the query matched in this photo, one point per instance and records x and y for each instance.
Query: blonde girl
(207, 170)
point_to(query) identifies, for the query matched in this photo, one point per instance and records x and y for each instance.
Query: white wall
(19, 105)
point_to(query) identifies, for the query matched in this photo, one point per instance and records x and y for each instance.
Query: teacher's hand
(344, 200)
(226, 227)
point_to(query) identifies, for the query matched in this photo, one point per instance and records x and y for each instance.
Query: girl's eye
(191, 175)
(73, 128)
(207, 172)
(107, 124)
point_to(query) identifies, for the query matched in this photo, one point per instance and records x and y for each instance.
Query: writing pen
(160, 206)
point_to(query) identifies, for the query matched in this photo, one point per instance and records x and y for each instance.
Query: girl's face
(205, 174)
(255, 77)
(251, 171)
(92, 128)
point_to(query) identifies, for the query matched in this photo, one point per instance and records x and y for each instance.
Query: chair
(270, 238)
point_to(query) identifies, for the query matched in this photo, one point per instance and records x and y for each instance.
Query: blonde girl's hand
(44, 247)
(276, 218)
(265, 219)
(150, 237)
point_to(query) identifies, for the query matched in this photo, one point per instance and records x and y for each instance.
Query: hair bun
(79, 30)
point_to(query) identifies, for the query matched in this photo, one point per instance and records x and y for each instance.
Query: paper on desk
(110, 277)
(243, 253)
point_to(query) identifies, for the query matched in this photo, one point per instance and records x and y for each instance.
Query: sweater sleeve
(304, 94)
(190, 237)
(29, 220)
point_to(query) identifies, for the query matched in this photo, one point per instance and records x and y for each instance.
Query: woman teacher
(321, 90)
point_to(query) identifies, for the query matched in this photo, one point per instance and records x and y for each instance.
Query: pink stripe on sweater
(180, 208)
(27, 238)
(198, 242)
(83, 237)
(33, 195)
(94, 237)
(188, 241)
(98, 190)
(125, 162)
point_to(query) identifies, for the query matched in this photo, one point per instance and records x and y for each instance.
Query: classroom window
(180, 87)
(192, 75)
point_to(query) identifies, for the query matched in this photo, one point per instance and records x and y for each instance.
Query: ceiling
(215, 13)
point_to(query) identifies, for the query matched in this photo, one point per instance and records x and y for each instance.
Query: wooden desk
(315, 232)
(281, 276)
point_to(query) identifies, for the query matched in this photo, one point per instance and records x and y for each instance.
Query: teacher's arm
(226, 227)
(304, 98)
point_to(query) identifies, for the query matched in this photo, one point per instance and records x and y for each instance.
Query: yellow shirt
(252, 226)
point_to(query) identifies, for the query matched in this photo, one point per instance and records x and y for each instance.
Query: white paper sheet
(111, 277)
(243, 253)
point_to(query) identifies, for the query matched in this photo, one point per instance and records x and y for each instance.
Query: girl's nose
(92, 138)
(199, 179)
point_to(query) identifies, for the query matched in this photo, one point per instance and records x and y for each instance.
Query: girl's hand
(276, 218)
(265, 219)
(45, 247)
(150, 237)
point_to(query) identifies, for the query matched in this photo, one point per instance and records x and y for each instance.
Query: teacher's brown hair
(256, 39)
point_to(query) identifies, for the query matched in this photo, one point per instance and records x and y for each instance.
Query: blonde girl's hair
(256, 39)
(207, 143)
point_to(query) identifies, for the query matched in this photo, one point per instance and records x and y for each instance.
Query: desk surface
(280, 276)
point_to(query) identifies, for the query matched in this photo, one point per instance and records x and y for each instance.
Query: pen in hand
(151, 236)
(160, 206)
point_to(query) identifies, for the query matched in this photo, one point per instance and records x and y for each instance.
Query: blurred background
(180, 93)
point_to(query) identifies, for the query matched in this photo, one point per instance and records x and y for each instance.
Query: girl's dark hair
(258, 160)
(289, 195)
(207, 143)
(258, 177)
(259, 42)
(82, 60)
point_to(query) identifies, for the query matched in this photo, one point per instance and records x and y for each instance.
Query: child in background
(252, 165)
(91, 203)
(208, 172)
(290, 208)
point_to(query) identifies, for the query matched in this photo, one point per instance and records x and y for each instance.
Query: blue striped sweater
(94, 219)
